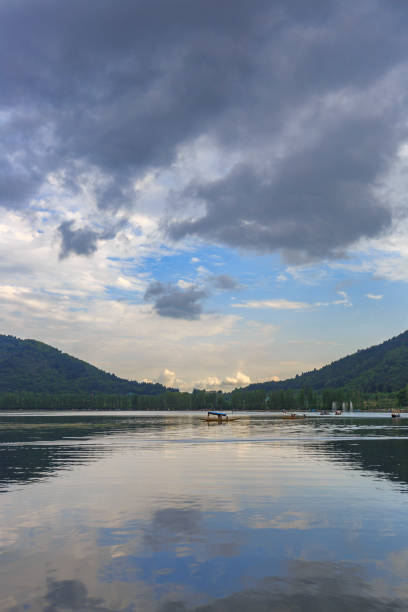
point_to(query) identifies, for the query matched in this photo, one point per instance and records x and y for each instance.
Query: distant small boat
(396, 414)
(219, 417)
(293, 415)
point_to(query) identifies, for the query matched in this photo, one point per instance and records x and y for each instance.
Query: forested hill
(29, 365)
(383, 367)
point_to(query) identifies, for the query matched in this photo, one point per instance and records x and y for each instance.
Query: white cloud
(185, 284)
(307, 275)
(394, 268)
(167, 378)
(282, 304)
(279, 304)
(239, 379)
(215, 383)
(391, 264)
(123, 282)
(374, 296)
(344, 299)
(211, 383)
(203, 271)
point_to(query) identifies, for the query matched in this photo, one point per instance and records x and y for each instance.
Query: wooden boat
(219, 417)
(293, 415)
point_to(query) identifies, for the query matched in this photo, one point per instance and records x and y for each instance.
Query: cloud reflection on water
(307, 587)
(172, 525)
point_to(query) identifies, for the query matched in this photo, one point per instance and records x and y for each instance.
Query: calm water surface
(162, 512)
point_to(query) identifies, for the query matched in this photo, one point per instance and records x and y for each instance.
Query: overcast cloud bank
(306, 103)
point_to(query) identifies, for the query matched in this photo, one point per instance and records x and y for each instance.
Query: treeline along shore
(240, 399)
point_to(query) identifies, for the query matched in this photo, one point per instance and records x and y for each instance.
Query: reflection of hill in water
(24, 464)
(387, 458)
(375, 446)
(38, 449)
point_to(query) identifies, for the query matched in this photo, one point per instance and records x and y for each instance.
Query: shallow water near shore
(163, 512)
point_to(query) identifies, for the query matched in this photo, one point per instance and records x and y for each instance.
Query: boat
(219, 417)
(293, 415)
(396, 414)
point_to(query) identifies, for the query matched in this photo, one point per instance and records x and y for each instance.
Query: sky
(201, 193)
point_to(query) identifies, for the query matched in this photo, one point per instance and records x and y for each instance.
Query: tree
(402, 397)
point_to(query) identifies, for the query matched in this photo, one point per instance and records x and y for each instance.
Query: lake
(161, 512)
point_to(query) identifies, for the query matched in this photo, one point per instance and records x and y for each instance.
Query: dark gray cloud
(176, 302)
(311, 95)
(313, 204)
(80, 241)
(83, 241)
(224, 282)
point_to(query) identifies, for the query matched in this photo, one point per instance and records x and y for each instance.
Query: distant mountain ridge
(380, 368)
(30, 365)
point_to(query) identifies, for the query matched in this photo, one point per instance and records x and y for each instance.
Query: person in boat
(219, 415)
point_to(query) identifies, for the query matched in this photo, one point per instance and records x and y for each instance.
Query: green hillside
(29, 365)
(380, 368)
